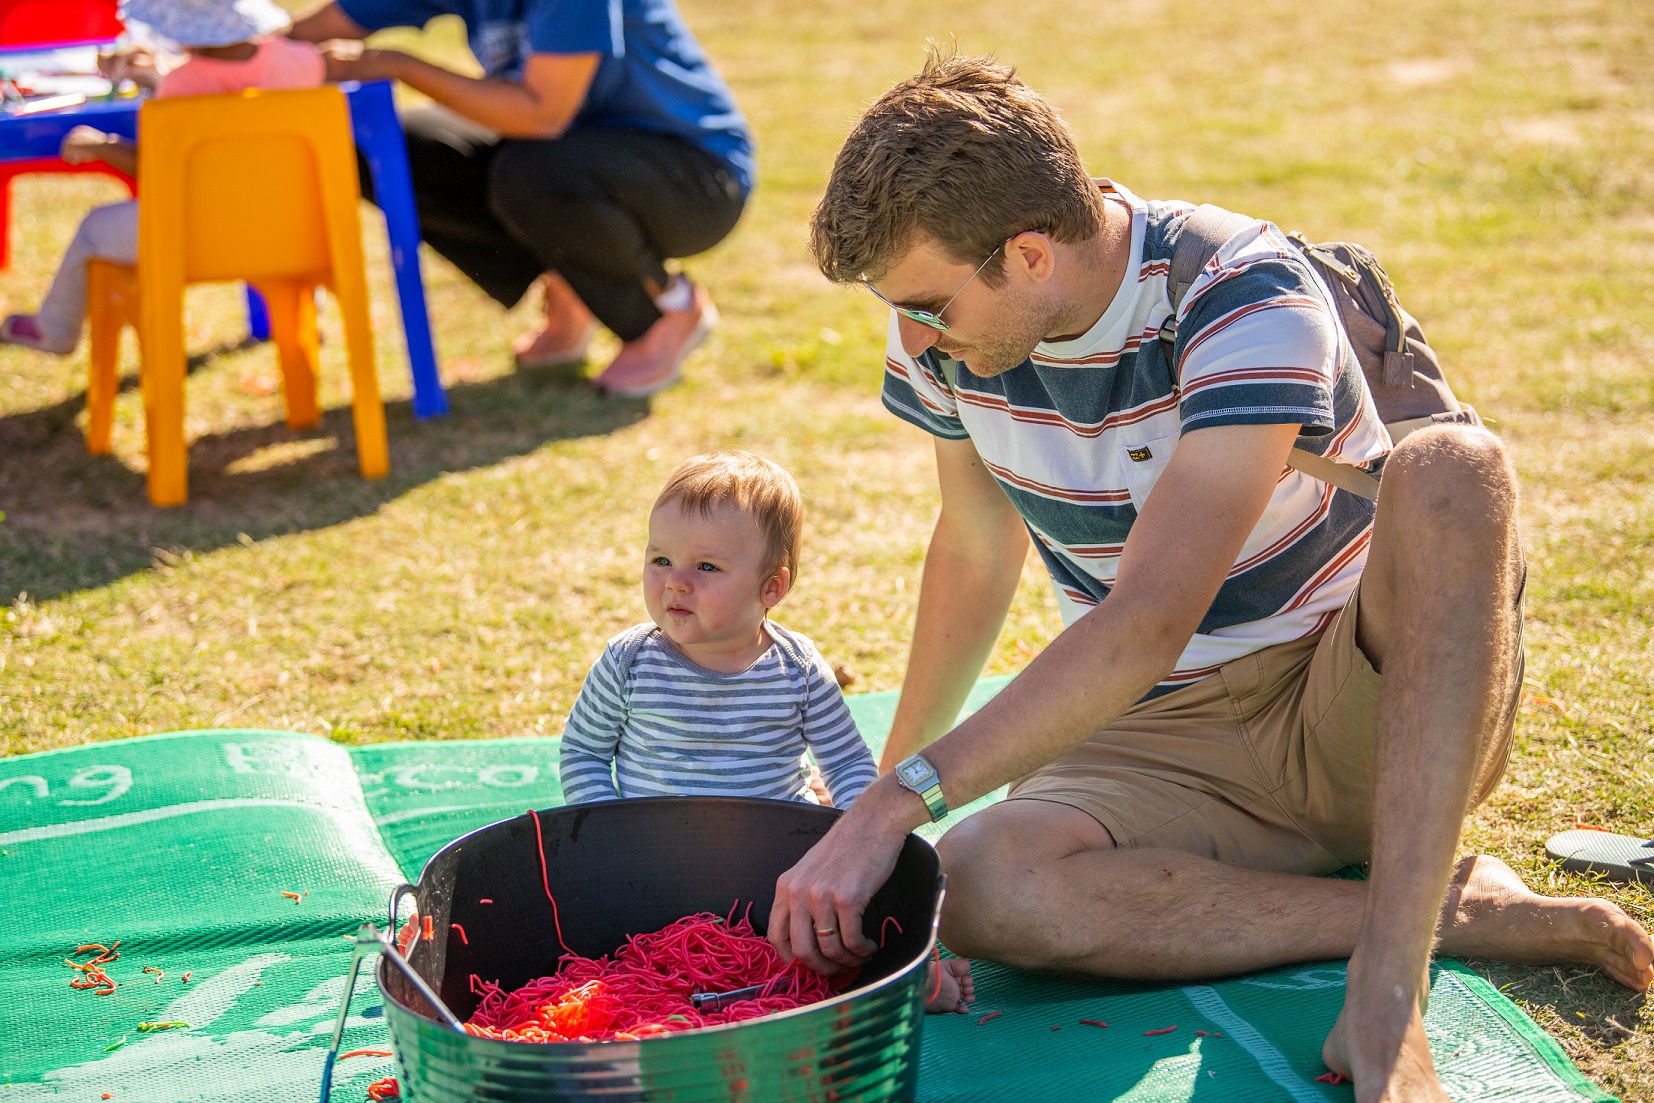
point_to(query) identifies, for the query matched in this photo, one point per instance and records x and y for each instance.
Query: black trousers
(603, 208)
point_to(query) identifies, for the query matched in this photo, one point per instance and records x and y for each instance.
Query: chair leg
(103, 380)
(161, 346)
(162, 384)
(366, 407)
(292, 310)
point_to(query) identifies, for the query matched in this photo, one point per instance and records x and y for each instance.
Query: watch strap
(935, 803)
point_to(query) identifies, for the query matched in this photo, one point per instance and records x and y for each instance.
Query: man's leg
(1040, 885)
(604, 208)
(1439, 620)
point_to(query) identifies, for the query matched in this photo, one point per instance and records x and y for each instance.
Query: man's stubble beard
(1027, 322)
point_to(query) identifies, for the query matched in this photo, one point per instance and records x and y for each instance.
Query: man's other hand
(348, 59)
(819, 902)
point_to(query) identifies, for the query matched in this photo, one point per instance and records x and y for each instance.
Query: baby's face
(704, 582)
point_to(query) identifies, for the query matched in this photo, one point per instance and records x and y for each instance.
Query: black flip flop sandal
(1618, 857)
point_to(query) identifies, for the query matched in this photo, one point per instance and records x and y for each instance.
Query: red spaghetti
(643, 990)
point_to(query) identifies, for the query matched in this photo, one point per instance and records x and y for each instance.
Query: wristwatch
(916, 773)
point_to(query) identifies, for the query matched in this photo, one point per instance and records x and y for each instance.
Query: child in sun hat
(710, 697)
(228, 46)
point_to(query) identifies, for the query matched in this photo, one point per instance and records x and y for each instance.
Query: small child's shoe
(24, 329)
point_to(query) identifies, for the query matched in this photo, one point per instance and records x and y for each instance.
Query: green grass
(1499, 157)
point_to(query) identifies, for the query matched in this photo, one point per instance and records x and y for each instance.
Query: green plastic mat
(182, 846)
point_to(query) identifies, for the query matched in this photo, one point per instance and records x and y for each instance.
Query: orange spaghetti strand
(364, 1053)
(384, 1089)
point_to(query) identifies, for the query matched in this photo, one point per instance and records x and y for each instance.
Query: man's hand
(819, 902)
(348, 59)
(85, 143)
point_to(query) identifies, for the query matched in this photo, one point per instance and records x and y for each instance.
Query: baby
(713, 698)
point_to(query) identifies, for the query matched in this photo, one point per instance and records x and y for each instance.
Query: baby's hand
(818, 786)
(83, 144)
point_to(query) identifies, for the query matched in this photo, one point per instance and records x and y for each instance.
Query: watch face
(915, 772)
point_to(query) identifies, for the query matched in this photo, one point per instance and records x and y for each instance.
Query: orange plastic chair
(261, 187)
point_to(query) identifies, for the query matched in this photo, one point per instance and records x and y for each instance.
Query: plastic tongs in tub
(717, 1001)
(368, 940)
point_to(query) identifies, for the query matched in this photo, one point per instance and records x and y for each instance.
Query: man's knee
(999, 864)
(1457, 477)
(1453, 485)
(530, 189)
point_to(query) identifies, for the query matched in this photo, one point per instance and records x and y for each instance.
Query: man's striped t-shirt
(1078, 434)
(650, 723)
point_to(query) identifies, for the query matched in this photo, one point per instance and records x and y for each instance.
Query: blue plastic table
(378, 138)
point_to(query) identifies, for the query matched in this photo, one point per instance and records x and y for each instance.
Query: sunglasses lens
(925, 318)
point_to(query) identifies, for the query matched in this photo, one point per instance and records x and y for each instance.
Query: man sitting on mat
(1211, 733)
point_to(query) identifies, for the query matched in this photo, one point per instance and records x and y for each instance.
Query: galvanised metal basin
(619, 868)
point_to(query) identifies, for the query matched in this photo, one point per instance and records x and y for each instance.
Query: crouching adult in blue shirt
(598, 143)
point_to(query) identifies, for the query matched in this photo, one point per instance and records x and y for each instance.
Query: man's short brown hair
(964, 153)
(756, 486)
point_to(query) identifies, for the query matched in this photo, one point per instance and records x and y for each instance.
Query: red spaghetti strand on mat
(1093, 1022)
(364, 1053)
(545, 881)
(989, 1015)
(463, 940)
(1162, 1030)
(384, 1089)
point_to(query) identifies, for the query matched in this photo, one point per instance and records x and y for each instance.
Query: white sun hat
(207, 23)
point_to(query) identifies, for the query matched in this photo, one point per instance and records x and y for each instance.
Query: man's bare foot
(958, 987)
(1385, 1054)
(1490, 913)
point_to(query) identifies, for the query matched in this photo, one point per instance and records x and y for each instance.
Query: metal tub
(628, 867)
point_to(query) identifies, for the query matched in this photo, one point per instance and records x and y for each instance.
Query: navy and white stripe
(1078, 434)
(650, 723)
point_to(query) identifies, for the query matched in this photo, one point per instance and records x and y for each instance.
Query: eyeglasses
(926, 317)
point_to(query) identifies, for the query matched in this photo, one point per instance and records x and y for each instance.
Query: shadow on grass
(1607, 1013)
(74, 521)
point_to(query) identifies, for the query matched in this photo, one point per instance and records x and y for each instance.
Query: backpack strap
(1356, 480)
(1204, 232)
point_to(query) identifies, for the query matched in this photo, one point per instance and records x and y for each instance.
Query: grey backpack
(1402, 371)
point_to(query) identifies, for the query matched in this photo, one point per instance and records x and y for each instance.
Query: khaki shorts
(1267, 764)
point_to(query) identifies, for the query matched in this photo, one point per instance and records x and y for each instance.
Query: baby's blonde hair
(754, 485)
